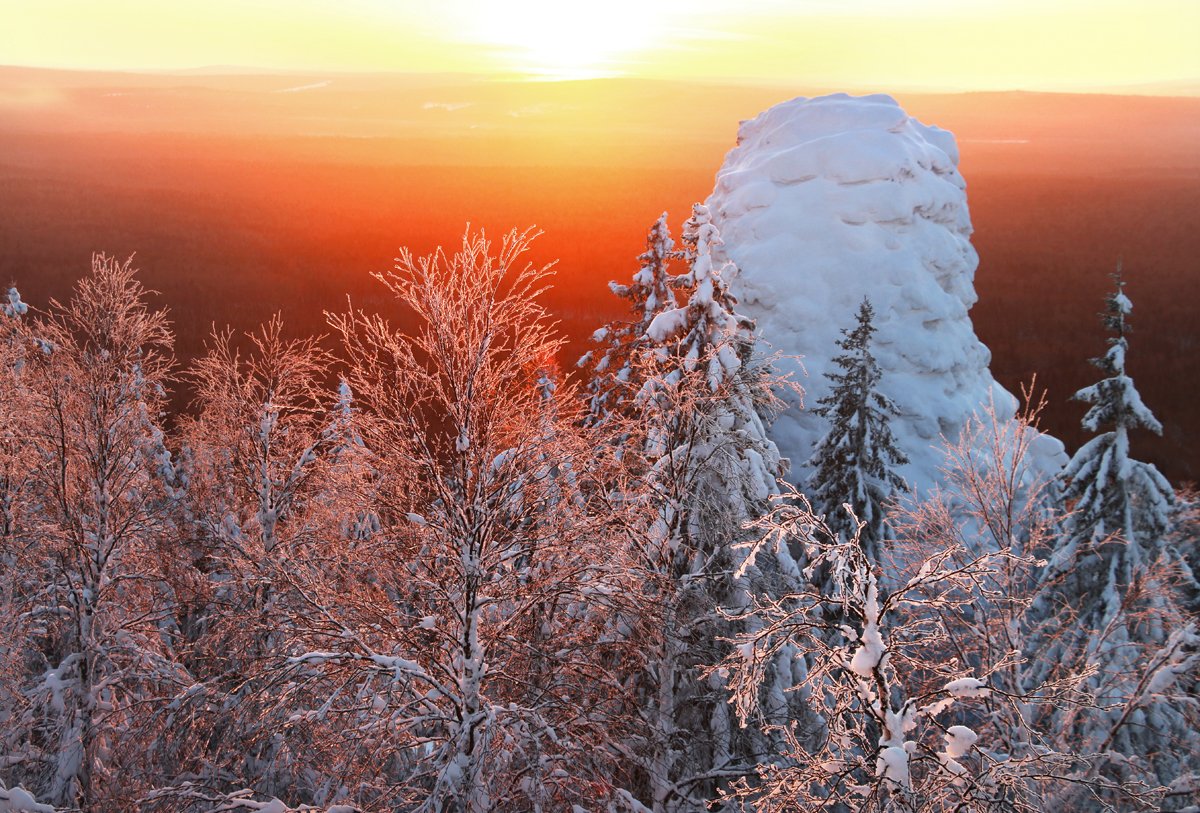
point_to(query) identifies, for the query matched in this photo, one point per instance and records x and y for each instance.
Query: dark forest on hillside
(240, 202)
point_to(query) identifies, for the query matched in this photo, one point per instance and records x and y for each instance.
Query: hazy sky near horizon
(927, 44)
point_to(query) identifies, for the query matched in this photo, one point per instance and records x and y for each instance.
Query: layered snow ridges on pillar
(828, 200)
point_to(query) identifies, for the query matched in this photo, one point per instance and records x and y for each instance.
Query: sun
(568, 39)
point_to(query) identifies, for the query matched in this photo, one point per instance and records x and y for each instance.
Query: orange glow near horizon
(930, 44)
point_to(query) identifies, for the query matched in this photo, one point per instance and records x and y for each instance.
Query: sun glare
(560, 40)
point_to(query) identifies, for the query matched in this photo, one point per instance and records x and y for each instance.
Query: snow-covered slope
(827, 200)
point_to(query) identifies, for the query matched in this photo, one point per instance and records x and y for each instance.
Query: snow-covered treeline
(458, 579)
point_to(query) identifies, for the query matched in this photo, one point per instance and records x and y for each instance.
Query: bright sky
(926, 44)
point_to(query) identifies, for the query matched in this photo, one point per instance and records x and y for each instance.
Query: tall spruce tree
(1109, 601)
(613, 379)
(1113, 493)
(702, 412)
(853, 462)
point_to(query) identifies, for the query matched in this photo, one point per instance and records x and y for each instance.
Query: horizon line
(1174, 88)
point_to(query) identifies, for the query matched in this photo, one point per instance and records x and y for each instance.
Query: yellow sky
(932, 44)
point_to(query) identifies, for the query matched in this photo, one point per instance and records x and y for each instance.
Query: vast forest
(460, 581)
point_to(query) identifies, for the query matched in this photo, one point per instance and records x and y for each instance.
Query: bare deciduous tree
(471, 654)
(97, 371)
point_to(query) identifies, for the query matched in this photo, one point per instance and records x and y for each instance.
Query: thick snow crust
(827, 200)
(19, 800)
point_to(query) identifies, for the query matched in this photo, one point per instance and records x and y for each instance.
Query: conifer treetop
(853, 463)
(1115, 401)
(1114, 493)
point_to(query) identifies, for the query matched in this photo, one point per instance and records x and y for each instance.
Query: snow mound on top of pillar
(828, 200)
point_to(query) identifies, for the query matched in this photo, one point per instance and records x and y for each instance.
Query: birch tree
(902, 697)
(98, 368)
(469, 656)
(21, 585)
(269, 510)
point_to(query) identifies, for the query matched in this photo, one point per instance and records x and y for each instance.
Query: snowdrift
(830, 199)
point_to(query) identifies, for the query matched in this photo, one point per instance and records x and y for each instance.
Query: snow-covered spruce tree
(465, 665)
(1111, 492)
(101, 649)
(610, 368)
(710, 468)
(853, 463)
(1109, 600)
(1184, 536)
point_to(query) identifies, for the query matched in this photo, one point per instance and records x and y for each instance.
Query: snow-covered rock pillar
(827, 200)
